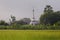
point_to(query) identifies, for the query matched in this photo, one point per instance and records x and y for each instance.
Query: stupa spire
(33, 14)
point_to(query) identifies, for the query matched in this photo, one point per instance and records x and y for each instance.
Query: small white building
(34, 22)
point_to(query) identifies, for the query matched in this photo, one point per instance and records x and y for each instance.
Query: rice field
(29, 34)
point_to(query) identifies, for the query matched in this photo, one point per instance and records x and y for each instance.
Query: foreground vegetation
(31, 27)
(29, 34)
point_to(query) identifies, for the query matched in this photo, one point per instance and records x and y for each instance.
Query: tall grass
(29, 34)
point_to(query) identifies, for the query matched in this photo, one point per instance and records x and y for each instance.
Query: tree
(48, 9)
(24, 21)
(49, 17)
(47, 12)
(12, 20)
(2, 22)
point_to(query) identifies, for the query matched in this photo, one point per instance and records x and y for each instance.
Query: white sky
(23, 8)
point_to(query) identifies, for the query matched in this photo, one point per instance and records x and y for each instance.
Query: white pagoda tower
(33, 20)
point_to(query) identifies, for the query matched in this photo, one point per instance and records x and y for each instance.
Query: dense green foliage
(23, 21)
(31, 27)
(49, 17)
(2, 22)
(29, 35)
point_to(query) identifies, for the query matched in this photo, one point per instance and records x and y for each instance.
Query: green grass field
(29, 34)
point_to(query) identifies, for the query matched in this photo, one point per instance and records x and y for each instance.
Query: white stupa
(33, 20)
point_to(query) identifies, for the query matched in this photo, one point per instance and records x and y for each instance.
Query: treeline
(49, 20)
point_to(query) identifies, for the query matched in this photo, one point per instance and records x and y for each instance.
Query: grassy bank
(29, 34)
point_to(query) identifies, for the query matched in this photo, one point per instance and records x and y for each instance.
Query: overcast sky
(23, 8)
